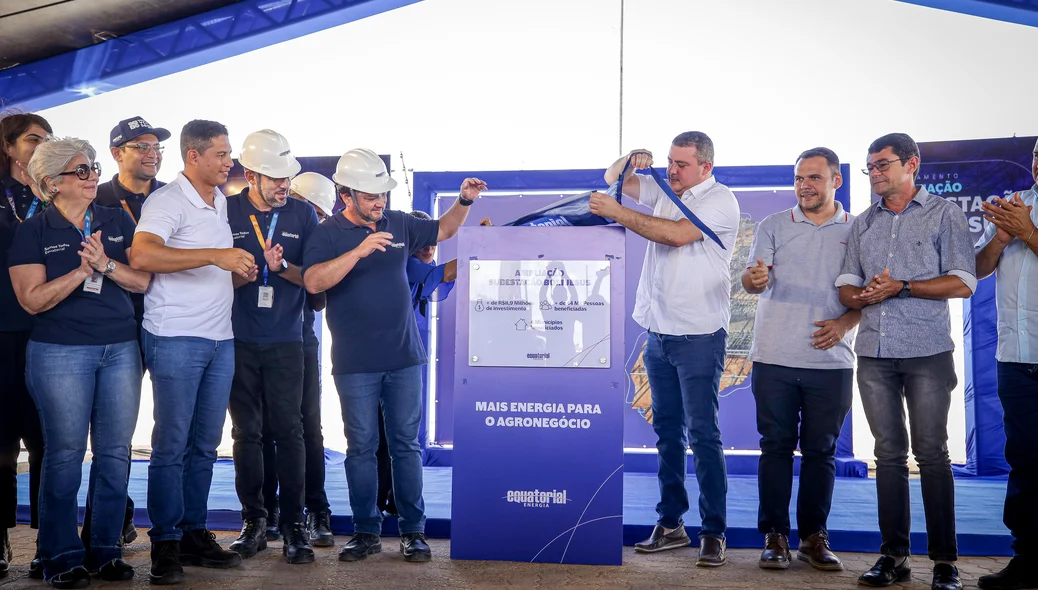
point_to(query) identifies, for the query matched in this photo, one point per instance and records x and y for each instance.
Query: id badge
(93, 283)
(266, 296)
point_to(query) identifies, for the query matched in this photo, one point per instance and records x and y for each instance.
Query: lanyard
(259, 237)
(127, 209)
(87, 218)
(14, 207)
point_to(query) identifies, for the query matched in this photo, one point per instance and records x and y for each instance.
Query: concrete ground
(671, 569)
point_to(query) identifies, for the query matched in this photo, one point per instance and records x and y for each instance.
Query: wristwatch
(110, 267)
(280, 269)
(906, 290)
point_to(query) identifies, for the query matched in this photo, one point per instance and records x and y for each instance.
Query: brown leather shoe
(776, 552)
(661, 541)
(815, 551)
(711, 552)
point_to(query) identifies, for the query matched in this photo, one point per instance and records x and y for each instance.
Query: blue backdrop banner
(969, 173)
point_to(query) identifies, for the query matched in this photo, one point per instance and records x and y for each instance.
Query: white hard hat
(267, 153)
(317, 189)
(363, 170)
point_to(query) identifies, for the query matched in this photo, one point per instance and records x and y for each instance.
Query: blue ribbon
(87, 218)
(665, 187)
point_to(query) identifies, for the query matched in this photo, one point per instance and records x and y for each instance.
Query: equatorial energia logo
(537, 498)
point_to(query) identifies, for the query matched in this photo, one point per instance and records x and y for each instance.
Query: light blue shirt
(1016, 275)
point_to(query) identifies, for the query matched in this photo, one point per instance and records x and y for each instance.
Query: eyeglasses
(881, 165)
(145, 147)
(371, 198)
(83, 171)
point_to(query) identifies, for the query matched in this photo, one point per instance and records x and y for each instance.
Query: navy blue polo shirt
(113, 194)
(82, 318)
(12, 317)
(369, 312)
(282, 322)
(426, 282)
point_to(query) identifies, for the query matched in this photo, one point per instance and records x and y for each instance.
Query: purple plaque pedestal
(538, 433)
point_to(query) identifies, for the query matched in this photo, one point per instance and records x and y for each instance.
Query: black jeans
(268, 389)
(924, 384)
(1018, 391)
(316, 499)
(805, 406)
(19, 421)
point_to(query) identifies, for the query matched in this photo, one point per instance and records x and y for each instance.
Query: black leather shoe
(165, 563)
(253, 538)
(662, 541)
(297, 547)
(885, 573)
(414, 547)
(273, 530)
(77, 577)
(6, 554)
(129, 532)
(116, 570)
(360, 546)
(945, 577)
(319, 528)
(1017, 575)
(776, 552)
(36, 566)
(711, 552)
(199, 547)
(815, 551)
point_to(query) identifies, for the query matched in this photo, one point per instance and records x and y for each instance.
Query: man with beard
(137, 149)
(359, 258)
(268, 343)
(803, 363)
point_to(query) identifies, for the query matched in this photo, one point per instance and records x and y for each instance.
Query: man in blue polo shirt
(137, 149)
(359, 258)
(268, 343)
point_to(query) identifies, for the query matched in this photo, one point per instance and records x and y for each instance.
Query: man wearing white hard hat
(359, 259)
(267, 390)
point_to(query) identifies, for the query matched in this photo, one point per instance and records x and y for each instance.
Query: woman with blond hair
(69, 267)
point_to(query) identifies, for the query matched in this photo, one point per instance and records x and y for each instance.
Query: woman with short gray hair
(69, 267)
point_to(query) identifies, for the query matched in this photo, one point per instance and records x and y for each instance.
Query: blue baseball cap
(133, 128)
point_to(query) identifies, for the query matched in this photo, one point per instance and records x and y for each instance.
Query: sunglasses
(83, 171)
(144, 148)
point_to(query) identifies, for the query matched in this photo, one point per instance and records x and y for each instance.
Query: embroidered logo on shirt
(48, 250)
(288, 235)
(397, 244)
(115, 239)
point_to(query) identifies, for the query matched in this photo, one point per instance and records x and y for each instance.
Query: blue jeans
(83, 391)
(684, 375)
(191, 380)
(924, 385)
(400, 394)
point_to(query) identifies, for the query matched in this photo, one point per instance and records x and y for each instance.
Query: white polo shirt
(686, 290)
(194, 302)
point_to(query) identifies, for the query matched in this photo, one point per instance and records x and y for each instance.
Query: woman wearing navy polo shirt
(20, 134)
(83, 367)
